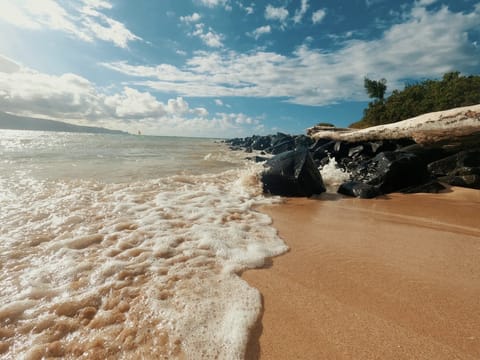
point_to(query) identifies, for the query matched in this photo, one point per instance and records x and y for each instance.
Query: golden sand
(390, 278)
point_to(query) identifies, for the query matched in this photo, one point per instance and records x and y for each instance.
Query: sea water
(128, 247)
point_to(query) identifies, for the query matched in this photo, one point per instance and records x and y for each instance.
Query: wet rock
(359, 189)
(432, 186)
(391, 171)
(303, 141)
(426, 153)
(257, 158)
(261, 142)
(282, 143)
(468, 181)
(292, 173)
(449, 165)
(323, 151)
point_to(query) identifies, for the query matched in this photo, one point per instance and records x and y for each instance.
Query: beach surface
(396, 277)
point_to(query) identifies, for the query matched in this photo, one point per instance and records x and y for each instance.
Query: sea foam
(143, 269)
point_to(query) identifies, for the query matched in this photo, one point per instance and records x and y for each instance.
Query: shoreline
(396, 277)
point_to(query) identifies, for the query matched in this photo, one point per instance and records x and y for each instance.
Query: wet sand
(390, 278)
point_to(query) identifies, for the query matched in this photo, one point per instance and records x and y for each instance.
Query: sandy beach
(391, 278)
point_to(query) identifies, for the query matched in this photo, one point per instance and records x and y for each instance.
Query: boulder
(468, 181)
(359, 189)
(391, 171)
(261, 142)
(457, 164)
(281, 143)
(292, 173)
(432, 186)
(303, 141)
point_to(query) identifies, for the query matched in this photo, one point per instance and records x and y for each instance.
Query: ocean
(128, 247)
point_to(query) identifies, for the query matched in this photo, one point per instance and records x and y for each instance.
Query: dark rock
(257, 158)
(281, 143)
(303, 141)
(468, 181)
(261, 142)
(319, 143)
(359, 189)
(323, 151)
(432, 186)
(340, 150)
(355, 151)
(375, 146)
(425, 153)
(448, 165)
(465, 170)
(292, 173)
(391, 171)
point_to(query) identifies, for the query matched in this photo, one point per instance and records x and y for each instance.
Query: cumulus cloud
(80, 19)
(262, 30)
(72, 98)
(318, 16)
(209, 36)
(195, 17)
(249, 9)
(300, 13)
(276, 13)
(427, 44)
(214, 3)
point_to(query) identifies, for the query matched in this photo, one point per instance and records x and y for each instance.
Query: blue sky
(223, 68)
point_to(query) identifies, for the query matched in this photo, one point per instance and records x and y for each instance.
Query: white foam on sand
(136, 270)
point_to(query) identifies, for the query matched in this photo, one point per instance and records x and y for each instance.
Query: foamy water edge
(144, 269)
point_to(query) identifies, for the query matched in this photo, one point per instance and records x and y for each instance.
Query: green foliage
(453, 90)
(375, 89)
(324, 124)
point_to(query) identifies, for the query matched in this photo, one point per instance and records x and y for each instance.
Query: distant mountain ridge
(15, 122)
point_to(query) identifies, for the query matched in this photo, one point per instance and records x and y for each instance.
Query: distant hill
(14, 122)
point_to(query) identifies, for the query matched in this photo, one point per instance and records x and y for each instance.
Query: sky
(223, 68)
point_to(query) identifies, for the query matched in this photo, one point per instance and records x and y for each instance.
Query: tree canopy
(452, 90)
(375, 88)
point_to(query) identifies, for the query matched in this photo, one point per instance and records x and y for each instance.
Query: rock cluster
(378, 161)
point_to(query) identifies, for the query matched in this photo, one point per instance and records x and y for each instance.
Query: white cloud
(426, 2)
(218, 102)
(81, 19)
(276, 13)
(8, 65)
(316, 77)
(209, 37)
(262, 30)
(214, 3)
(181, 52)
(318, 16)
(113, 31)
(195, 17)
(72, 98)
(249, 9)
(132, 103)
(300, 13)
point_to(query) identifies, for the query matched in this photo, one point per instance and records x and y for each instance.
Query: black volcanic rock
(469, 181)
(292, 173)
(282, 143)
(392, 171)
(359, 189)
(433, 186)
(456, 164)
